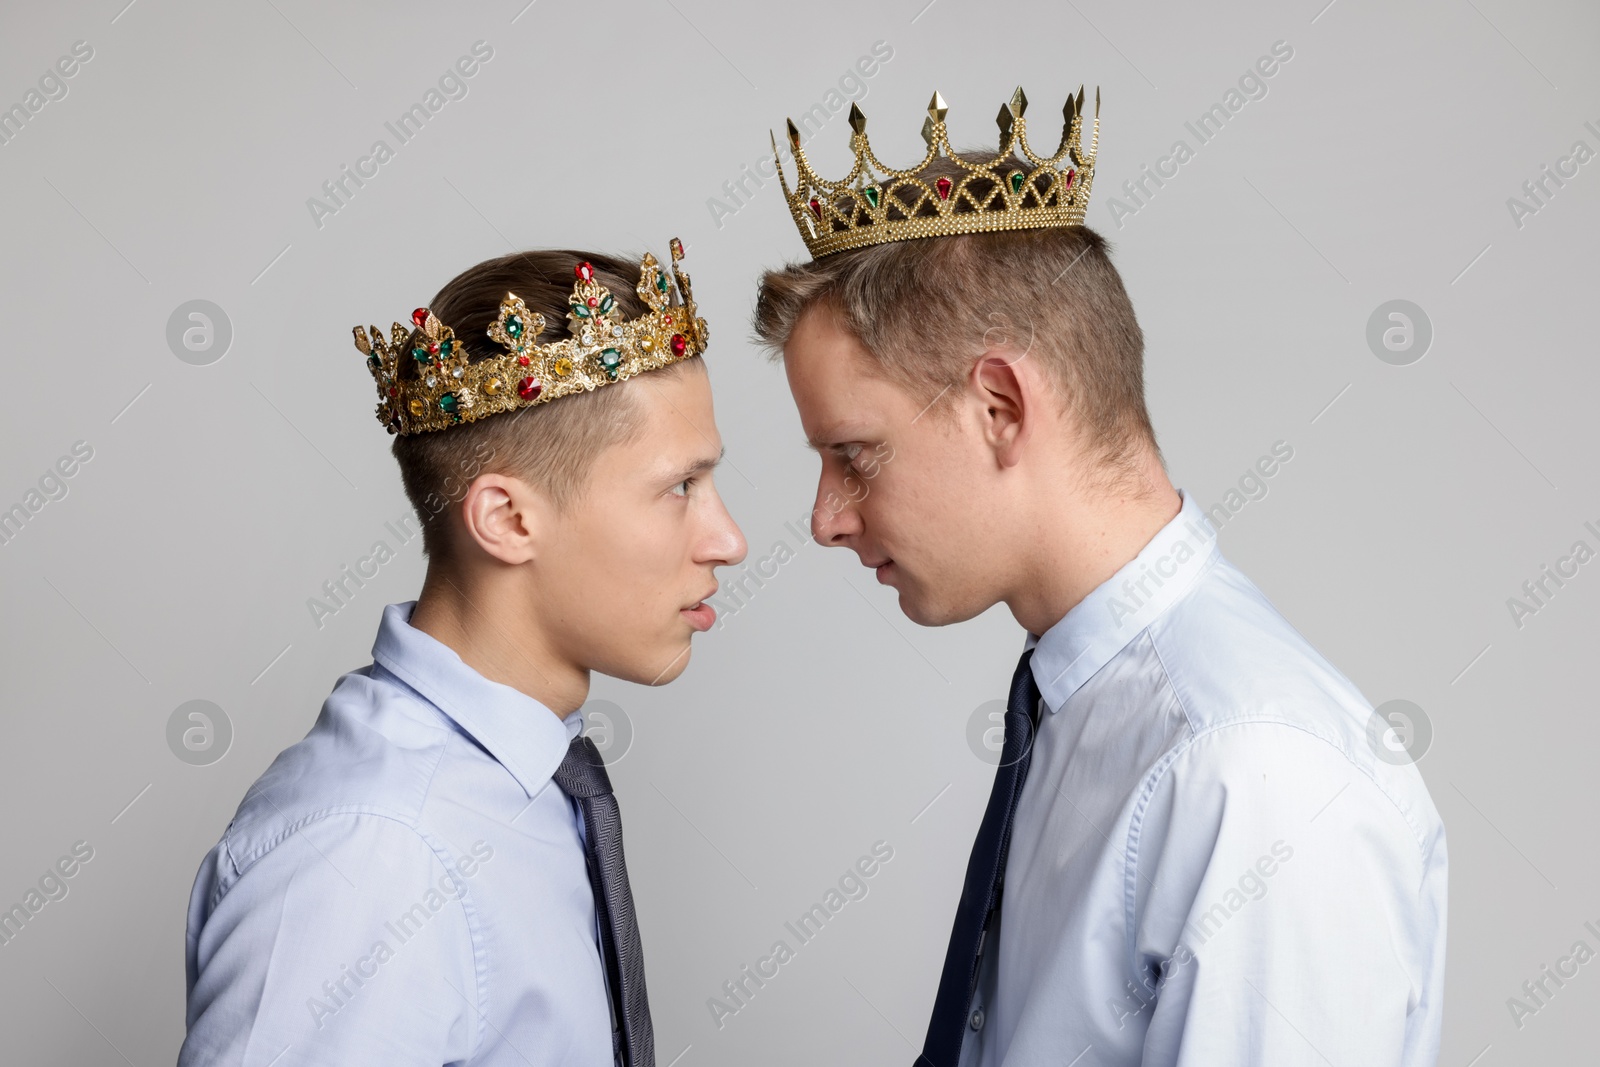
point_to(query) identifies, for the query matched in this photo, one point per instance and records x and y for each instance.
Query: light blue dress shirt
(405, 886)
(1210, 865)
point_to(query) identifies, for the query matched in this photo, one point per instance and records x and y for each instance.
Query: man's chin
(927, 611)
(657, 667)
(672, 662)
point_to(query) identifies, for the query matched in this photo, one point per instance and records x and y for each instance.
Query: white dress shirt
(1210, 866)
(406, 886)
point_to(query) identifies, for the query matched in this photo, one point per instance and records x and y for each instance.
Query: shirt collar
(1120, 608)
(523, 735)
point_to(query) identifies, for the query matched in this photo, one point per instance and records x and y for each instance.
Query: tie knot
(583, 770)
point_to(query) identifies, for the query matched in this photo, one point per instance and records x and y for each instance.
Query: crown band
(601, 349)
(875, 204)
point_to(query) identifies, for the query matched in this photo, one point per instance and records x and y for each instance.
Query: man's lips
(700, 614)
(881, 568)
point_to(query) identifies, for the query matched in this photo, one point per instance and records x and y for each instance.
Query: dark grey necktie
(582, 775)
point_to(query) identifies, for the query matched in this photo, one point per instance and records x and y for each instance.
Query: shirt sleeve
(1289, 907)
(346, 943)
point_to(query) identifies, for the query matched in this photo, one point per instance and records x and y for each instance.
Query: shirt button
(977, 1018)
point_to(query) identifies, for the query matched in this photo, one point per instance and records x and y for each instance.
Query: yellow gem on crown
(601, 348)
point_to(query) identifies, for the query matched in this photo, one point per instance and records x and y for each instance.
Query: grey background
(816, 721)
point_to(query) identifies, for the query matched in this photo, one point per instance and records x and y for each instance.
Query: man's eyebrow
(834, 440)
(699, 466)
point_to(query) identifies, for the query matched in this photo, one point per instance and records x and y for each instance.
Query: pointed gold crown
(874, 204)
(602, 348)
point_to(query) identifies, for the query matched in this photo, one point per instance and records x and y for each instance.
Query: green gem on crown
(871, 193)
(580, 310)
(606, 303)
(1016, 177)
(514, 326)
(661, 281)
(420, 353)
(447, 403)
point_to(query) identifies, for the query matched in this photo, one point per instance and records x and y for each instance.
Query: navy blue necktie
(980, 894)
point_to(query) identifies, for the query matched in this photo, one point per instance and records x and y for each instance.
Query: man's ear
(503, 516)
(1005, 385)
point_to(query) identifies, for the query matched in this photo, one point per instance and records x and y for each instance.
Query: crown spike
(835, 216)
(1097, 101)
(794, 135)
(604, 348)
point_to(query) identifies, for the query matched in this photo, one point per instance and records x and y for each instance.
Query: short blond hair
(925, 308)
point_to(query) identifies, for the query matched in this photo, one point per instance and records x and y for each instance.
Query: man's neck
(487, 625)
(1081, 542)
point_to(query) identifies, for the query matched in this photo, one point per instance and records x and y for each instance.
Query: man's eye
(682, 488)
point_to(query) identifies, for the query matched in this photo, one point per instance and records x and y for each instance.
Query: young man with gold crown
(435, 874)
(1201, 857)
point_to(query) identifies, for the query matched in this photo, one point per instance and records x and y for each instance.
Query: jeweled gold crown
(874, 204)
(602, 348)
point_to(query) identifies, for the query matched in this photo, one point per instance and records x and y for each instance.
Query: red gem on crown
(943, 185)
(528, 388)
(678, 344)
(584, 271)
(593, 301)
(1071, 174)
(419, 317)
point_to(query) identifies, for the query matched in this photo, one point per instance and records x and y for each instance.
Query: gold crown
(874, 204)
(601, 349)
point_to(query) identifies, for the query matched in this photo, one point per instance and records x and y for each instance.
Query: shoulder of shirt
(374, 750)
(1237, 667)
